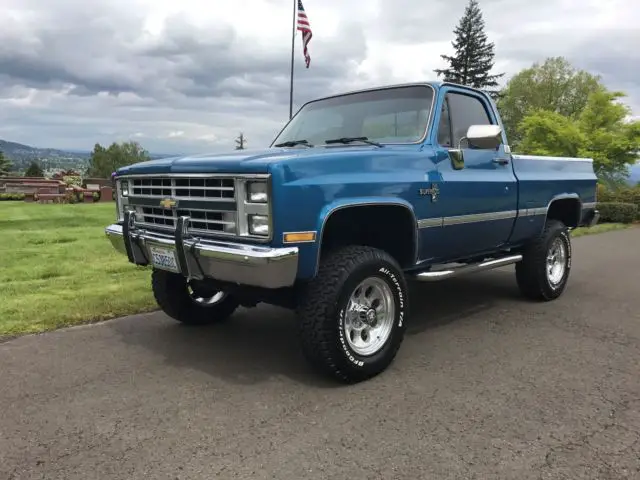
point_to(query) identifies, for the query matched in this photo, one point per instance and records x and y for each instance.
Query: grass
(59, 268)
(599, 228)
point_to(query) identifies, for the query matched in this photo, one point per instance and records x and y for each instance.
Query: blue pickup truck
(358, 194)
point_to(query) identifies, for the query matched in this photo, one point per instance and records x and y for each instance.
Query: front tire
(190, 303)
(543, 273)
(352, 315)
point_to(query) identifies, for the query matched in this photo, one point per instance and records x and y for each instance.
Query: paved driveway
(486, 385)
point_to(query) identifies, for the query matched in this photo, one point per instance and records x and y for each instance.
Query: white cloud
(188, 76)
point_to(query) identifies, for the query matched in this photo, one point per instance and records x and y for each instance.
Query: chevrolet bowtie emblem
(168, 203)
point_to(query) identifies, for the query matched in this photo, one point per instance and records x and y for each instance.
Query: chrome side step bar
(437, 275)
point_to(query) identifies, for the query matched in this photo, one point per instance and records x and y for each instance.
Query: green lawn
(599, 228)
(58, 268)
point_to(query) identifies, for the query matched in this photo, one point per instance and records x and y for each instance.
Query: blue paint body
(309, 183)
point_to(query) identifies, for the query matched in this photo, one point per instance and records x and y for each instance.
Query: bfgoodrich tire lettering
(536, 279)
(323, 313)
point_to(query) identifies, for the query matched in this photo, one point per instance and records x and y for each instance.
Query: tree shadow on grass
(260, 344)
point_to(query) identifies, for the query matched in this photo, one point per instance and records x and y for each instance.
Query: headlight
(257, 192)
(122, 198)
(259, 225)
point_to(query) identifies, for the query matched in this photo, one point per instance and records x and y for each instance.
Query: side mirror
(486, 137)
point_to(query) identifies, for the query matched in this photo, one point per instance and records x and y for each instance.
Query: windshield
(393, 115)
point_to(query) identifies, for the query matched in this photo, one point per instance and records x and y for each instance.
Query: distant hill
(49, 159)
(21, 157)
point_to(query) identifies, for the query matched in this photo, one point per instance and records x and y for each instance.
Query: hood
(290, 164)
(241, 161)
(245, 161)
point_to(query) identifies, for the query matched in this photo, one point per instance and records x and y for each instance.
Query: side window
(465, 111)
(444, 128)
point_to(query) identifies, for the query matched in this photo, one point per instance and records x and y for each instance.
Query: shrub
(12, 196)
(630, 195)
(602, 192)
(620, 195)
(96, 196)
(71, 197)
(617, 212)
(70, 180)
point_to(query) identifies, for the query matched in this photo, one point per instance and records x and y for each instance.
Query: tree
(240, 142)
(34, 170)
(549, 133)
(472, 61)
(553, 86)
(5, 165)
(104, 161)
(611, 140)
(601, 131)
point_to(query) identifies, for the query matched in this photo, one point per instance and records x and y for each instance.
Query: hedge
(617, 212)
(12, 196)
(619, 195)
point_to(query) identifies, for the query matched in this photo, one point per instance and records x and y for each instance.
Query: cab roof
(434, 84)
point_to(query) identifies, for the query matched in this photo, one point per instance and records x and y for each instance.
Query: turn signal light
(293, 237)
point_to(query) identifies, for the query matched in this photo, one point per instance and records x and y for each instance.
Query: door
(479, 201)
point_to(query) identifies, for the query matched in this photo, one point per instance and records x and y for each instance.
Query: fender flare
(344, 203)
(563, 196)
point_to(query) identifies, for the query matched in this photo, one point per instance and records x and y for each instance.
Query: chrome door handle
(500, 161)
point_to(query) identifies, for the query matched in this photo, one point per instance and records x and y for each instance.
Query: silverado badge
(168, 203)
(433, 192)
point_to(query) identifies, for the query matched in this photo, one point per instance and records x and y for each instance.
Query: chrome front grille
(185, 188)
(210, 203)
(200, 220)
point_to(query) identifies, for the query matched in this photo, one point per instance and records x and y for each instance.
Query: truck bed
(541, 179)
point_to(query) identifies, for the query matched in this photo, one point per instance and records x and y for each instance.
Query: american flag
(305, 28)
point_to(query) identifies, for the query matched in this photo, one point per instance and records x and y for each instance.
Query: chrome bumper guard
(201, 258)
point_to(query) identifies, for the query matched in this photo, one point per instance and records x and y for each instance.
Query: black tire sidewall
(172, 296)
(395, 280)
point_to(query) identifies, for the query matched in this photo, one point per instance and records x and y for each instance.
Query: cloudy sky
(189, 75)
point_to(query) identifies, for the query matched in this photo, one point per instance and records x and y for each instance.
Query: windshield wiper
(293, 143)
(346, 140)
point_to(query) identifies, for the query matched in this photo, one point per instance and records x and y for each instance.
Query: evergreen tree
(34, 170)
(472, 61)
(5, 165)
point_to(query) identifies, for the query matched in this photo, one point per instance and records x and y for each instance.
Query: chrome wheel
(556, 261)
(204, 296)
(370, 316)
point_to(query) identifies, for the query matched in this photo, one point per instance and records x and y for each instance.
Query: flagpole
(293, 46)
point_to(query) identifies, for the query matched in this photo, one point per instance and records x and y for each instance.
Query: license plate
(164, 258)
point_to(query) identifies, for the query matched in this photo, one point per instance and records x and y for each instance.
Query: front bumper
(200, 258)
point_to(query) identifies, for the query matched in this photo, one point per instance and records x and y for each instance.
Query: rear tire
(543, 273)
(352, 315)
(191, 304)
